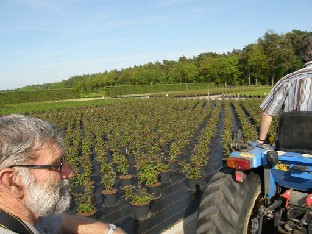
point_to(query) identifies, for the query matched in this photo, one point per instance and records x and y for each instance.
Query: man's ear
(11, 182)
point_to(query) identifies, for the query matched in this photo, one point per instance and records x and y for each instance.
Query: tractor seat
(295, 132)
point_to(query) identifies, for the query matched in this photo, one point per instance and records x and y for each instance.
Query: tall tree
(279, 52)
(231, 69)
(270, 43)
(254, 63)
(167, 67)
(203, 63)
(189, 71)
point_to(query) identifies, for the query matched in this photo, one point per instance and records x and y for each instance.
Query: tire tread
(225, 203)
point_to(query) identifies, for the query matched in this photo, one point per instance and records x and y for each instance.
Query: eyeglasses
(54, 167)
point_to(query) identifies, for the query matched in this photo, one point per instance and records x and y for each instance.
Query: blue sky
(43, 41)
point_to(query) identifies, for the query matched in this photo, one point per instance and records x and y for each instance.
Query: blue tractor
(263, 188)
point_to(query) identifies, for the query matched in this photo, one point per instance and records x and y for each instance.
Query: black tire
(226, 205)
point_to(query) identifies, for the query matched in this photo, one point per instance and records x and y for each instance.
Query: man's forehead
(50, 151)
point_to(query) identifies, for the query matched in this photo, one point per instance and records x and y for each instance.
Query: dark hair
(306, 50)
(21, 135)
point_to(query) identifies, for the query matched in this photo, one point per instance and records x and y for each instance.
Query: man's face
(46, 191)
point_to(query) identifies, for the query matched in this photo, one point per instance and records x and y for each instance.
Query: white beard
(45, 199)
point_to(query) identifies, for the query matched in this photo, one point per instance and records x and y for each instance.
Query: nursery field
(155, 153)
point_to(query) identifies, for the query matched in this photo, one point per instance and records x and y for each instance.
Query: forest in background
(261, 63)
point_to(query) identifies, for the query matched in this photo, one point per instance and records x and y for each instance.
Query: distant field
(31, 107)
(95, 100)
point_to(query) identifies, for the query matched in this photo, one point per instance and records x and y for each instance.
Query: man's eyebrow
(62, 157)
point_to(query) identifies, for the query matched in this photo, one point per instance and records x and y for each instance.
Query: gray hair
(21, 136)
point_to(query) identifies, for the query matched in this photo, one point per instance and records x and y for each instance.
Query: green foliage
(85, 205)
(13, 97)
(85, 208)
(122, 162)
(84, 201)
(255, 65)
(31, 107)
(162, 167)
(109, 175)
(174, 149)
(148, 173)
(143, 124)
(139, 197)
(81, 179)
(200, 158)
(156, 88)
(190, 170)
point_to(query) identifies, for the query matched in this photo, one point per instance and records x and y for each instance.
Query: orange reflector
(238, 163)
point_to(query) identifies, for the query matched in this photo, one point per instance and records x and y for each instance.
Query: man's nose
(67, 172)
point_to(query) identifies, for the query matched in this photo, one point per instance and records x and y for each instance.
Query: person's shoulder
(307, 68)
(302, 73)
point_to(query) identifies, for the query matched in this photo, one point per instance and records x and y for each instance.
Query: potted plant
(81, 182)
(123, 170)
(139, 200)
(148, 175)
(127, 150)
(199, 159)
(110, 194)
(164, 170)
(85, 205)
(192, 175)
(173, 160)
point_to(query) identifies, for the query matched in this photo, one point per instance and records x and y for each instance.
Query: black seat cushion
(295, 132)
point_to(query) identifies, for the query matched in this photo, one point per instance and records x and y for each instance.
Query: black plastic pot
(165, 177)
(110, 199)
(173, 165)
(155, 190)
(140, 212)
(125, 181)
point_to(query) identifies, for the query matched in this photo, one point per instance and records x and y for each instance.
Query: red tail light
(239, 176)
(309, 200)
(238, 163)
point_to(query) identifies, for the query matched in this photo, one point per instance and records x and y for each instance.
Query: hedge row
(15, 97)
(140, 89)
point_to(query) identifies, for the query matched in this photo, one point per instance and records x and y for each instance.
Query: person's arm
(82, 225)
(265, 122)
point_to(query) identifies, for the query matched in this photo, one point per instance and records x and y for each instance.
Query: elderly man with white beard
(34, 176)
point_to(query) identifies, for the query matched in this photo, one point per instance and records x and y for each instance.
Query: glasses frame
(53, 167)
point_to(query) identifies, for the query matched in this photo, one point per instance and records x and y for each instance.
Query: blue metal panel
(289, 176)
(285, 179)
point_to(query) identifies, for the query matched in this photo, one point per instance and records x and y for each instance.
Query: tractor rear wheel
(227, 206)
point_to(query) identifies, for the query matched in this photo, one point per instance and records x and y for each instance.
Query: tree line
(263, 62)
